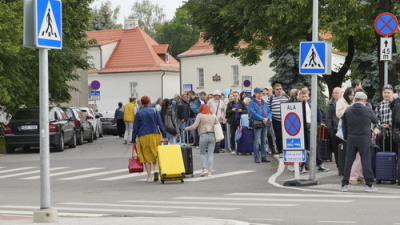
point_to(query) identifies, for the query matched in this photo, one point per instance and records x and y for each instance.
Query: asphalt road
(93, 180)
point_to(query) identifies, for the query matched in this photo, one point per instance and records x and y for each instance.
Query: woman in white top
(204, 123)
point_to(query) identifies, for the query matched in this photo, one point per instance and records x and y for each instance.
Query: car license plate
(29, 127)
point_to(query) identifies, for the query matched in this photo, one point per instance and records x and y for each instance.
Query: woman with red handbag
(147, 127)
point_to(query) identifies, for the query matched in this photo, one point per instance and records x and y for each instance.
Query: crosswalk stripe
(64, 173)
(92, 209)
(94, 174)
(30, 172)
(207, 203)
(220, 175)
(149, 206)
(58, 213)
(130, 175)
(339, 195)
(16, 169)
(267, 199)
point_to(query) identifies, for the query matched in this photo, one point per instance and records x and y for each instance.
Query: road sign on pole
(48, 24)
(386, 49)
(293, 126)
(386, 24)
(95, 85)
(315, 58)
(246, 83)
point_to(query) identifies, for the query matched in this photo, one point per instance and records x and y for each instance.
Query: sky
(169, 7)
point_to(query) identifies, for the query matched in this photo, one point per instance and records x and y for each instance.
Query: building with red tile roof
(129, 63)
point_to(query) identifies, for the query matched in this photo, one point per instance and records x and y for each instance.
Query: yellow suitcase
(170, 163)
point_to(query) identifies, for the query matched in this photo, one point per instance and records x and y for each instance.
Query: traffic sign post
(48, 24)
(386, 49)
(246, 83)
(315, 58)
(95, 85)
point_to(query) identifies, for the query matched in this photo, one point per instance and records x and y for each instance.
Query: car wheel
(60, 146)
(96, 135)
(72, 143)
(91, 138)
(79, 138)
(10, 149)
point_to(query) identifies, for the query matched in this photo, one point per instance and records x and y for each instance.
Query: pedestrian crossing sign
(315, 58)
(48, 24)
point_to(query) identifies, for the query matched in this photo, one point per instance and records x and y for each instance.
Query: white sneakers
(344, 188)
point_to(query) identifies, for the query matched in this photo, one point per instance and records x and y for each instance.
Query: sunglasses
(388, 86)
(278, 89)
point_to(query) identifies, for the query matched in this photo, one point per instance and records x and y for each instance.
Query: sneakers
(371, 189)
(290, 168)
(344, 188)
(204, 173)
(155, 176)
(280, 155)
(264, 159)
(233, 152)
(257, 160)
(322, 168)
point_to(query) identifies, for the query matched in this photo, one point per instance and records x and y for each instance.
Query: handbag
(134, 164)
(257, 124)
(339, 132)
(169, 125)
(238, 134)
(218, 133)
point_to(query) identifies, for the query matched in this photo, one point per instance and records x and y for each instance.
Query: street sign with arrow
(386, 49)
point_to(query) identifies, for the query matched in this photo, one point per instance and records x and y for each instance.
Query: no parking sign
(293, 125)
(246, 82)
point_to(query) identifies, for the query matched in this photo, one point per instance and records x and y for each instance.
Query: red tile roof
(135, 51)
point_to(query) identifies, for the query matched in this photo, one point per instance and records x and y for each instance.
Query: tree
(19, 66)
(149, 15)
(281, 24)
(179, 33)
(105, 18)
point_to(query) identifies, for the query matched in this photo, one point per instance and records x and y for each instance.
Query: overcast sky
(169, 7)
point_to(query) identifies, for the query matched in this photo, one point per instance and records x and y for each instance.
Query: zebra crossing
(95, 173)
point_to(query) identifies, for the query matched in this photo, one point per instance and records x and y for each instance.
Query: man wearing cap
(259, 111)
(356, 125)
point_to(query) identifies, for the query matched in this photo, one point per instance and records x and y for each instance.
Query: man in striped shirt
(275, 104)
(384, 114)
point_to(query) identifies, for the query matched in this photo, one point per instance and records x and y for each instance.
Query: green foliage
(149, 15)
(19, 66)
(105, 18)
(179, 33)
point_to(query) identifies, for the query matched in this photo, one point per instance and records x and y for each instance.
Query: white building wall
(107, 50)
(99, 55)
(116, 87)
(222, 65)
(94, 57)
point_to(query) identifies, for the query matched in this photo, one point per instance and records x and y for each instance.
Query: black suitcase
(324, 147)
(187, 155)
(341, 158)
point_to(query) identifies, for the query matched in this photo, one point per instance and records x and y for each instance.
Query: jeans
(260, 141)
(207, 141)
(233, 126)
(171, 138)
(366, 154)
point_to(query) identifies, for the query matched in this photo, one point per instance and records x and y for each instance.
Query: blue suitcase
(385, 164)
(246, 141)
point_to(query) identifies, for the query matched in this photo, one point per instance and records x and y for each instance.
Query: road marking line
(339, 195)
(59, 213)
(267, 199)
(265, 219)
(30, 172)
(199, 203)
(63, 173)
(130, 175)
(340, 222)
(17, 169)
(93, 174)
(220, 175)
(147, 206)
(92, 209)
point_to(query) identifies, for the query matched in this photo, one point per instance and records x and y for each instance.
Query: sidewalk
(19, 220)
(331, 181)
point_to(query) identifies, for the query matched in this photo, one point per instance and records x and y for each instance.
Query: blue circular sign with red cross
(246, 83)
(292, 124)
(95, 85)
(386, 24)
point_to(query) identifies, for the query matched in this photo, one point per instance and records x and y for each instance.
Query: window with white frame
(200, 73)
(167, 57)
(133, 88)
(235, 75)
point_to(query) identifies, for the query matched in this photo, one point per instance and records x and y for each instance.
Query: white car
(94, 119)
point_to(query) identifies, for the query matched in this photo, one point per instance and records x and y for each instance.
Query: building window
(133, 88)
(167, 57)
(235, 75)
(200, 72)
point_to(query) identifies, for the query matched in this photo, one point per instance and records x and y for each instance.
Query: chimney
(131, 24)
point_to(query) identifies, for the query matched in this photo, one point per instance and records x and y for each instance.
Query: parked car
(83, 128)
(94, 119)
(108, 123)
(24, 126)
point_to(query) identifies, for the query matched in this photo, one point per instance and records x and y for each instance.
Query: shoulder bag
(134, 164)
(219, 134)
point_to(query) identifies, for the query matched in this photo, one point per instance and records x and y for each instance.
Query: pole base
(48, 215)
(300, 183)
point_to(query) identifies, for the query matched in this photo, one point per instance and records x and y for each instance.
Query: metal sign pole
(44, 129)
(314, 80)
(386, 72)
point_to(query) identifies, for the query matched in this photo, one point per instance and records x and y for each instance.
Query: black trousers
(366, 162)
(121, 127)
(278, 134)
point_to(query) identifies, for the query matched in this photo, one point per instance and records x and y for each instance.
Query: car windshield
(26, 114)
